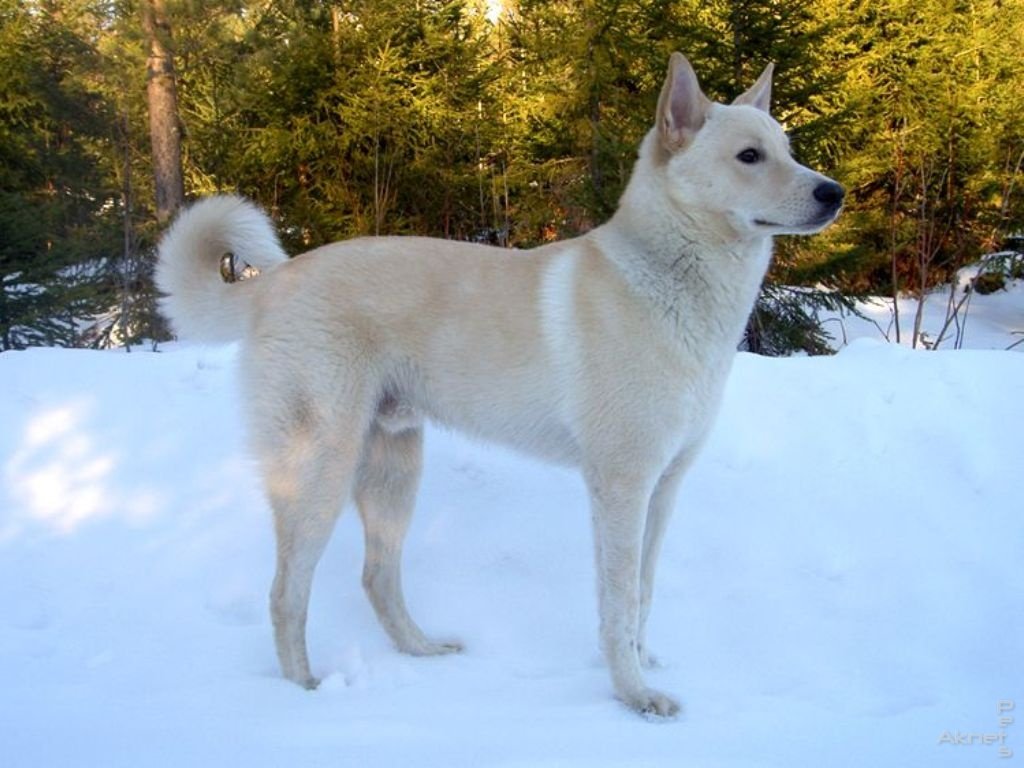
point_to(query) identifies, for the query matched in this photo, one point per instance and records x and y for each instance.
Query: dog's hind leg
(309, 472)
(385, 495)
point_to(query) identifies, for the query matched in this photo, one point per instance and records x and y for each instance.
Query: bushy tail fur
(197, 301)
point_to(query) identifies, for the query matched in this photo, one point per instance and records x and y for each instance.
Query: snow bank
(842, 585)
(992, 321)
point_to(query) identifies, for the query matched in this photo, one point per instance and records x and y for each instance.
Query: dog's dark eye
(749, 156)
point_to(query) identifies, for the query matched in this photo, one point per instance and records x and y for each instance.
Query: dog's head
(730, 163)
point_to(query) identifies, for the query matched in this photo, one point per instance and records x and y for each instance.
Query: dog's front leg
(619, 504)
(658, 514)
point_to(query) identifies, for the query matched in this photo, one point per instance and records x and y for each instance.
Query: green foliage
(785, 320)
(55, 226)
(934, 159)
(359, 118)
(355, 117)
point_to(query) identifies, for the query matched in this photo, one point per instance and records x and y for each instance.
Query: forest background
(512, 123)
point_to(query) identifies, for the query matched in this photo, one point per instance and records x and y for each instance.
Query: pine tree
(365, 117)
(933, 160)
(55, 224)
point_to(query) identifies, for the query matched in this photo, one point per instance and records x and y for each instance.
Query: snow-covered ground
(843, 584)
(992, 321)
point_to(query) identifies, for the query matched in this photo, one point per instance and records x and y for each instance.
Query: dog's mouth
(813, 225)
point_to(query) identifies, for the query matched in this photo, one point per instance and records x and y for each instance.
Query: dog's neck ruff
(683, 276)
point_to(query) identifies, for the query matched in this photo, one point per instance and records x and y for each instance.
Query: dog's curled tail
(198, 301)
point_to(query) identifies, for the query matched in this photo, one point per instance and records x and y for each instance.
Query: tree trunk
(164, 127)
(128, 257)
(894, 214)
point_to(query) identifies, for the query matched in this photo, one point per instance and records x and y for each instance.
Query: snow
(842, 584)
(992, 321)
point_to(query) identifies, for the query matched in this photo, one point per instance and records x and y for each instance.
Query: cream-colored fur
(608, 352)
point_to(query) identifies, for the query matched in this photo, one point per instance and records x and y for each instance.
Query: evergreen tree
(56, 224)
(437, 117)
(932, 159)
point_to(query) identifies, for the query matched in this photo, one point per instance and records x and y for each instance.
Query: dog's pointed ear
(682, 107)
(760, 93)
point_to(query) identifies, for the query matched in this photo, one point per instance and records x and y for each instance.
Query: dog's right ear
(682, 107)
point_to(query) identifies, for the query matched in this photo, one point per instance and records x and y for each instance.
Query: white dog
(608, 352)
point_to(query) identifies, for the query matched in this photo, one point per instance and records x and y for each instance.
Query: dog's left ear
(760, 93)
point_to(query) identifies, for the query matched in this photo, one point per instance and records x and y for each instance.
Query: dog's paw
(653, 704)
(309, 683)
(435, 649)
(442, 649)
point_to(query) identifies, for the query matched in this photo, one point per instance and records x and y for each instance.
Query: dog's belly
(533, 428)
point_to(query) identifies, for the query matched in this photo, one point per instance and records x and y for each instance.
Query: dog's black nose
(829, 193)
